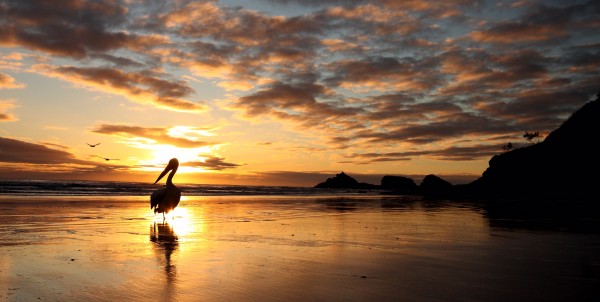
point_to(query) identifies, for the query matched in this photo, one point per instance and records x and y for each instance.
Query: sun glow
(180, 220)
(191, 133)
(161, 154)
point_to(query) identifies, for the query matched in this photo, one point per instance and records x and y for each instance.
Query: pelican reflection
(165, 242)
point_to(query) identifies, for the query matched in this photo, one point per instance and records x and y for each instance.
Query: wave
(105, 188)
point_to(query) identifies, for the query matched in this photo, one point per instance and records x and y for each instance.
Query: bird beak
(164, 172)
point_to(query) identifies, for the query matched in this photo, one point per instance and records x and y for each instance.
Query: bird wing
(157, 196)
(176, 196)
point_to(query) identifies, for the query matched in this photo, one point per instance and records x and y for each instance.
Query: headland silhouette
(561, 167)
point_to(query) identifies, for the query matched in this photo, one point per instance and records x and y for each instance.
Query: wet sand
(258, 248)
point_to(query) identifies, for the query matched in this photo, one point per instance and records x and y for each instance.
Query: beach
(285, 248)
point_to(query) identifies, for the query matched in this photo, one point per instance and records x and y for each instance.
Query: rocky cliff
(563, 166)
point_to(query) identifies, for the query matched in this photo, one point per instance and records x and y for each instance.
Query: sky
(285, 92)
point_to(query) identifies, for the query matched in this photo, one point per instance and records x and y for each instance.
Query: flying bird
(93, 145)
(106, 158)
(166, 198)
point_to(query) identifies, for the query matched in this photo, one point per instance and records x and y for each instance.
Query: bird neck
(170, 178)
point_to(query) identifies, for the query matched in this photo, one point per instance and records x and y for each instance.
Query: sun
(161, 154)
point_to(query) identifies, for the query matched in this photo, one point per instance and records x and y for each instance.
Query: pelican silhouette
(166, 198)
(93, 145)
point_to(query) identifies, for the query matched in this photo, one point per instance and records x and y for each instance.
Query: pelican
(166, 198)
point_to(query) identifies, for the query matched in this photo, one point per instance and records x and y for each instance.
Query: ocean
(104, 188)
(100, 241)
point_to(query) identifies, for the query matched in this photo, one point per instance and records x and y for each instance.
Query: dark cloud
(306, 104)
(385, 73)
(583, 58)
(24, 160)
(16, 151)
(135, 82)
(454, 153)
(72, 28)
(213, 163)
(539, 107)
(317, 3)
(542, 24)
(446, 127)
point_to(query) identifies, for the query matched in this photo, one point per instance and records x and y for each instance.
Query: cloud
(16, 151)
(25, 160)
(6, 82)
(157, 135)
(292, 100)
(453, 153)
(236, 85)
(537, 108)
(541, 24)
(75, 29)
(445, 127)
(6, 105)
(140, 87)
(384, 74)
(213, 163)
(478, 70)
(5, 117)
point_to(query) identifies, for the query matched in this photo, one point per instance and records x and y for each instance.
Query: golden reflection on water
(167, 236)
(182, 221)
(165, 242)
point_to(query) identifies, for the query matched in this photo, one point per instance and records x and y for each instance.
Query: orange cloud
(157, 135)
(8, 82)
(4, 115)
(511, 33)
(137, 87)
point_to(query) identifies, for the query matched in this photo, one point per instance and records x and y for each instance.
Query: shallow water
(291, 248)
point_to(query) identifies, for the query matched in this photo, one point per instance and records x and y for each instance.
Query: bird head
(172, 165)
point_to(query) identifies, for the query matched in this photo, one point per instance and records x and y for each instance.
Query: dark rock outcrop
(434, 186)
(563, 166)
(399, 184)
(343, 181)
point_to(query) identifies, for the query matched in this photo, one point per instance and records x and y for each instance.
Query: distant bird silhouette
(106, 158)
(93, 145)
(166, 198)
